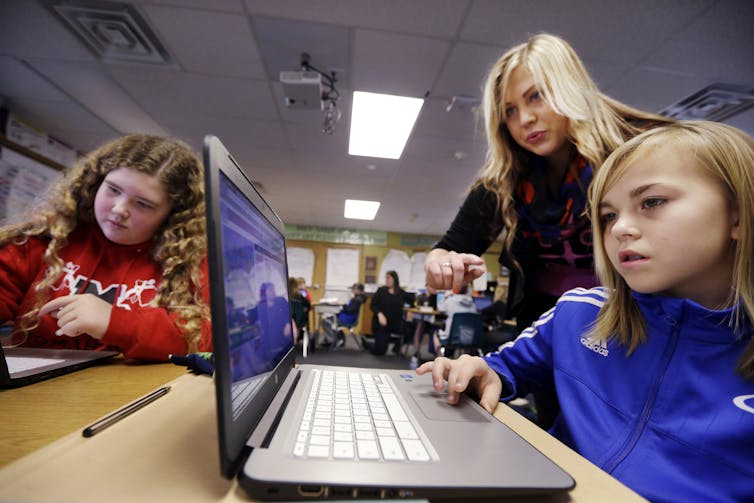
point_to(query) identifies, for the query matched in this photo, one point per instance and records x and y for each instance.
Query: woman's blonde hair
(597, 124)
(179, 246)
(726, 155)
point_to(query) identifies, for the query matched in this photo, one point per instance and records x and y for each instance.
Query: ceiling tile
(28, 29)
(97, 92)
(18, 80)
(282, 42)
(396, 64)
(438, 18)
(211, 43)
(459, 124)
(718, 46)
(466, 70)
(624, 32)
(214, 5)
(201, 93)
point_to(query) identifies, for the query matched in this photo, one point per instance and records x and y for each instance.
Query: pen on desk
(124, 412)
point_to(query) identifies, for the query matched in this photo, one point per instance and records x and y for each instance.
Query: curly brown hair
(179, 245)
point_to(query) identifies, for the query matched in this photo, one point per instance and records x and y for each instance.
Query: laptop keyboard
(356, 415)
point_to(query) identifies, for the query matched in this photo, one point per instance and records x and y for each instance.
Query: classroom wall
(395, 241)
(319, 248)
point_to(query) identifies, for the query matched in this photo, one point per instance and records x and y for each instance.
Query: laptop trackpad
(434, 405)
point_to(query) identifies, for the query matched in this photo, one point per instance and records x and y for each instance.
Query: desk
(321, 308)
(168, 450)
(35, 415)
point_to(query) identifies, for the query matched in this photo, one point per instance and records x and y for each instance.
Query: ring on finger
(446, 264)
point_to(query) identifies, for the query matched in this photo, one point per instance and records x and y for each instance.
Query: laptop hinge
(263, 433)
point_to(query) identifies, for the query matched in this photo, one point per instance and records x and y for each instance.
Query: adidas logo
(599, 347)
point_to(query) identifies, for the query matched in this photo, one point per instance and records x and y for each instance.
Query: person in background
(453, 303)
(304, 291)
(349, 313)
(300, 307)
(115, 258)
(387, 306)
(348, 316)
(657, 366)
(548, 129)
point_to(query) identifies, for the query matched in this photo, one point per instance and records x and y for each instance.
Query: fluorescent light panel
(361, 210)
(381, 124)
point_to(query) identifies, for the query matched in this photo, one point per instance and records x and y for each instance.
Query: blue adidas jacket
(673, 421)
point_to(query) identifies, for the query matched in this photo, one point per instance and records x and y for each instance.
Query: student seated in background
(302, 288)
(115, 258)
(349, 313)
(655, 369)
(453, 303)
(347, 317)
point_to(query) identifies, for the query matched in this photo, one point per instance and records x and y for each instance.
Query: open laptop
(388, 433)
(22, 366)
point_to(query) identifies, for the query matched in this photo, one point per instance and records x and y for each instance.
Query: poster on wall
(22, 182)
(300, 263)
(398, 261)
(342, 268)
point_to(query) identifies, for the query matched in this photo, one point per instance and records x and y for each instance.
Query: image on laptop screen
(256, 294)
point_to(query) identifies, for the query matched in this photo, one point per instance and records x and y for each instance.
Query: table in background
(321, 308)
(168, 451)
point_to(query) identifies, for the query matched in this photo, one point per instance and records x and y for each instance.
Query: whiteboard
(300, 263)
(342, 267)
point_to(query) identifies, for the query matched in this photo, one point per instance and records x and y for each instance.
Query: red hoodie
(123, 275)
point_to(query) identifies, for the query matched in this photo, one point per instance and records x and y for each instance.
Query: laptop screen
(251, 321)
(256, 294)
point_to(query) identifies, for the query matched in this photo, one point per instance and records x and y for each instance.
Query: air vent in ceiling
(714, 103)
(115, 31)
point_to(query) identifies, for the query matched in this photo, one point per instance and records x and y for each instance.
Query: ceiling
(226, 56)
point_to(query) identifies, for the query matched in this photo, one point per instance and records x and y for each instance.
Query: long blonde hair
(179, 245)
(724, 153)
(597, 124)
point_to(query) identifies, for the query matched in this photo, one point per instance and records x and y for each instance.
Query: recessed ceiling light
(361, 210)
(381, 124)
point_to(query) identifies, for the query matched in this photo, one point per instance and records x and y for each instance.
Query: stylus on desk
(124, 412)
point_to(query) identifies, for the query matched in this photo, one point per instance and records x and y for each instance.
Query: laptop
(305, 432)
(22, 366)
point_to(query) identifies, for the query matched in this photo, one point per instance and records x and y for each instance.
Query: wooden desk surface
(34, 416)
(168, 450)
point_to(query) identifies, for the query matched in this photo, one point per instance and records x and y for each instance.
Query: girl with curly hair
(115, 257)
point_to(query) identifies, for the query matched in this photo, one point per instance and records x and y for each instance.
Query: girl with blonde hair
(115, 257)
(656, 367)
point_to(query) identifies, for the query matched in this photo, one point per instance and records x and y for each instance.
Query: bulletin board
(24, 177)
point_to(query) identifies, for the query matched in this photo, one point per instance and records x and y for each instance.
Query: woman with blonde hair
(115, 257)
(548, 129)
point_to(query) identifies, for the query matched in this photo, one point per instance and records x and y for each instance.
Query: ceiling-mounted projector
(302, 90)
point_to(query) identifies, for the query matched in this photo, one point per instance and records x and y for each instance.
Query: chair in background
(334, 331)
(401, 340)
(300, 315)
(465, 335)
